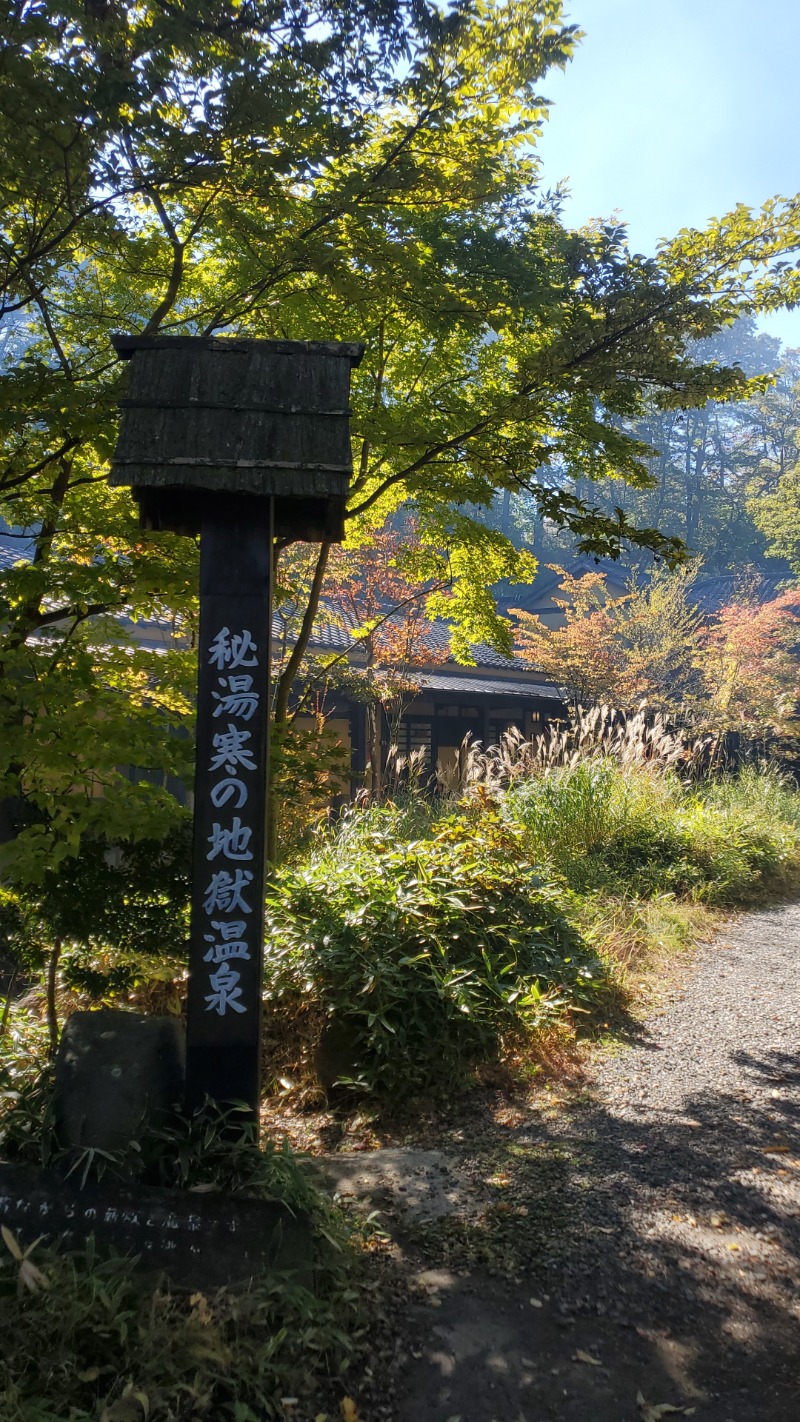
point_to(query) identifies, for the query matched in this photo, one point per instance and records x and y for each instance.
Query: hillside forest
(723, 476)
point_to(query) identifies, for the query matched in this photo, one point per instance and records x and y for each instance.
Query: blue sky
(672, 111)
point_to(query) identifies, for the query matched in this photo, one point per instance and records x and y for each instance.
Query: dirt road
(636, 1254)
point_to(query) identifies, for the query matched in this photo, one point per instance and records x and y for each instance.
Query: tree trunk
(280, 710)
(52, 978)
(7, 1004)
(374, 742)
(505, 523)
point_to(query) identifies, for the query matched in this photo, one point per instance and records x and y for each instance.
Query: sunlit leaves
(369, 173)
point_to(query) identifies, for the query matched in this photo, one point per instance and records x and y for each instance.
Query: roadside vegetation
(87, 1337)
(423, 936)
(417, 941)
(367, 172)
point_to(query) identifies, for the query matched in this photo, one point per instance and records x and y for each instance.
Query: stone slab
(116, 1073)
(426, 1184)
(200, 1240)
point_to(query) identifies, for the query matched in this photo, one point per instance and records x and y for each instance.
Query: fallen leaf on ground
(11, 1243)
(776, 1150)
(125, 1409)
(654, 1411)
(581, 1357)
(536, 1303)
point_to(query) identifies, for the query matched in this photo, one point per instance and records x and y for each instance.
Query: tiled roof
(154, 634)
(484, 656)
(333, 637)
(710, 595)
(488, 657)
(529, 596)
(327, 636)
(484, 686)
(14, 549)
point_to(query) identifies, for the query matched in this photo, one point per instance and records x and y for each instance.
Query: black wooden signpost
(237, 441)
(230, 807)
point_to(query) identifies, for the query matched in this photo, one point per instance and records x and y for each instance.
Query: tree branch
(292, 667)
(62, 614)
(438, 586)
(9, 482)
(249, 294)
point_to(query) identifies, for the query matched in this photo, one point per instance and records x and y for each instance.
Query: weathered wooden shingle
(223, 415)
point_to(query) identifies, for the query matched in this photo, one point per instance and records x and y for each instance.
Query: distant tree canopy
(716, 468)
(366, 171)
(774, 491)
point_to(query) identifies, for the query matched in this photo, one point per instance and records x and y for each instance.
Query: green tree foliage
(774, 502)
(777, 514)
(705, 458)
(713, 466)
(364, 172)
(106, 921)
(112, 907)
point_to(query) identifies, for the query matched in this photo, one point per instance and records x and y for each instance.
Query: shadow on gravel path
(641, 1248)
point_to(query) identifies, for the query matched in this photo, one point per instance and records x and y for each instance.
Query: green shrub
(425, 953)
(99, 1342)
(637, 830)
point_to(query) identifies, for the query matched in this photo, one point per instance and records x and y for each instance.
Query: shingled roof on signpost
(224, 415)
(236, 440)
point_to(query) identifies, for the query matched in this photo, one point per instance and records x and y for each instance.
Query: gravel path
(637, 1254)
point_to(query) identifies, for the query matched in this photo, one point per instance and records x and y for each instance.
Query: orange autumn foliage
(750, 662)
(373, 592)
(737, 671)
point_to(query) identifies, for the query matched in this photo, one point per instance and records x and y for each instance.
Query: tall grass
(599, 733)
(640, 830)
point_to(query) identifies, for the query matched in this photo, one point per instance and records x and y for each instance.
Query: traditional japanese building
(440, 703)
